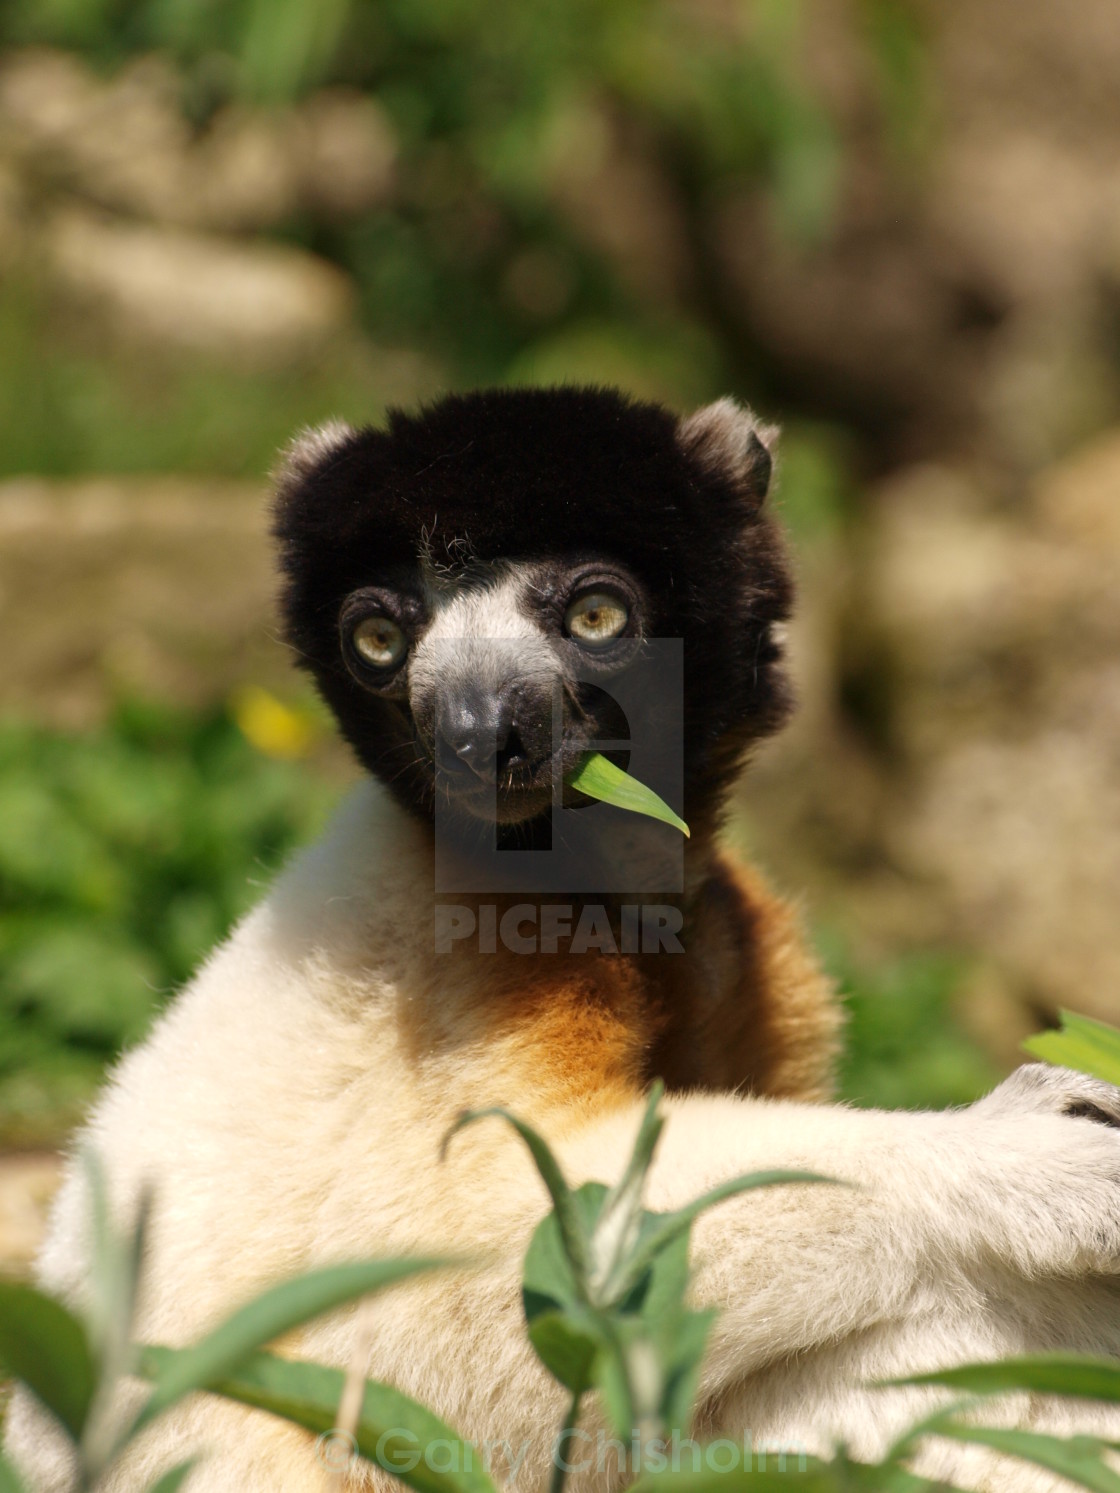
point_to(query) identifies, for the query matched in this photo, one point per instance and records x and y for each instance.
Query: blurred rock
(994, 630)
(158, 586)
(867, 323)
(253, 301)
(124, 143)
(1079, 500)
(28, 1182)
(1026, 835)
(344, 150)
(964, 295)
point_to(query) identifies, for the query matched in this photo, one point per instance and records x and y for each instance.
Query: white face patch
(481, 632)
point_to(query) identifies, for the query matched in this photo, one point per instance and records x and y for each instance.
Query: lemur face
(494, 665)
(467, 586)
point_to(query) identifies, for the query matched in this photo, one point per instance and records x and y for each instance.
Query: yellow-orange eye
(597, 618)
(380, 642)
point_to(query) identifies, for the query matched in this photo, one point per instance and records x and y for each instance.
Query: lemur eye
(597, 618)
(380, 642)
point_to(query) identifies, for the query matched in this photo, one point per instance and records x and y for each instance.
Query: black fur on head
(564, 477)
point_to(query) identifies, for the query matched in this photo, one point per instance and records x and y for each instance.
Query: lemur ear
(308, 450)
(727, 439)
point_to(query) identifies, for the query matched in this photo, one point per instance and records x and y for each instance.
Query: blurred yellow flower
(276, 729)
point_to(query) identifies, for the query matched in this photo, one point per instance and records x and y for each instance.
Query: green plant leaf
(624, 1327)
(662, 1291)
(598, 777)
(1044, 1373)
(620, 1217)
(613, 1381)
(783, 1473)
(583, 1346)
(46, 1346)
(1089, 1046)
(567, 1343)
(392, 1432)
(547, 1282)
(572, 1232)
(682, 1338)
(660, 1229)
(269, 1316)
(171, 1481)
(1078, 1458)
(114, 1280)
(646, 1372)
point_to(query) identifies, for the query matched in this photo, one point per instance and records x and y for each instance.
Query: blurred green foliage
(518, 130)
(70, 403)
(475, 256)
(125, 854)
(904, 1047)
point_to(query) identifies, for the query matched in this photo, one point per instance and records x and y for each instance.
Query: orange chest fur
(741, 1006)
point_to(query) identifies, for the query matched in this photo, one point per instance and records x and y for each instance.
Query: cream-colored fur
(289, 1109)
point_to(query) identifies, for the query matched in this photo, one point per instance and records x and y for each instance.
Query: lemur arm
(1016, 1187)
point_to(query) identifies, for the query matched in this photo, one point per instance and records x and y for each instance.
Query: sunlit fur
(288, 1108)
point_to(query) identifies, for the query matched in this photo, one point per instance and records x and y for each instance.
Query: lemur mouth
(515, 788)
(520, 789)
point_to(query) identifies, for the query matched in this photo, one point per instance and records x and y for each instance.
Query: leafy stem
(559, 1461)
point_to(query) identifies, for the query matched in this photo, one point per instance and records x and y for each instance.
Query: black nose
(476, 731)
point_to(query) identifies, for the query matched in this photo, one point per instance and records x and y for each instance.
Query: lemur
(471, 587)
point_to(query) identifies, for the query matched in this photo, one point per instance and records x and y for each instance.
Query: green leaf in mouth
(600, 778)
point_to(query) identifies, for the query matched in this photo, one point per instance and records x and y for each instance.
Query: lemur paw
(1040, 1089)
